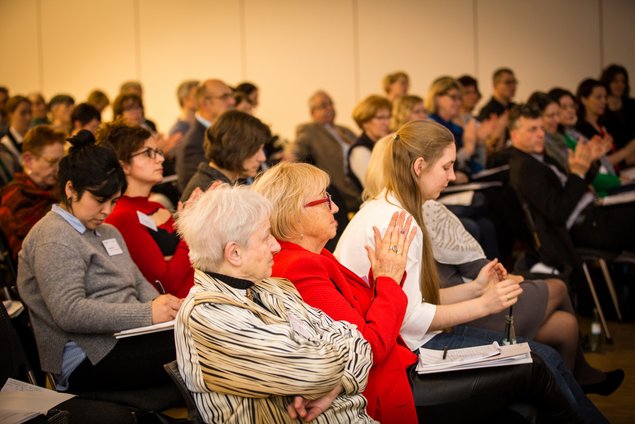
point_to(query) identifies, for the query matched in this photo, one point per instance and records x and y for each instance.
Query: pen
(445, 352)
(160, 288)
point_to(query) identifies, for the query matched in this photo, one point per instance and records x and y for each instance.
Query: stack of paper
(21, 401)
(494, 355)
(163, 326)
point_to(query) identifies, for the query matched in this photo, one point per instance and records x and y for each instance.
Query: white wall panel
(87, 44)
(426, 39)
(547, 43)
(19, 48)
(295, 47)
(182, 40)
(619, 34)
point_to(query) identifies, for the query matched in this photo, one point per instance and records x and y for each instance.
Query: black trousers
(134, 363)
(606, 227)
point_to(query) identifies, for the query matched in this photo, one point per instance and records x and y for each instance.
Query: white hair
(219, 216)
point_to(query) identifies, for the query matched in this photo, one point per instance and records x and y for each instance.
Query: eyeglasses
(327, 199)
(149, 152)
(454, 97)
(224, 97)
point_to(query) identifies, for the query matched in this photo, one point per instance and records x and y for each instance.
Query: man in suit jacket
(214, 97)
(325, 144)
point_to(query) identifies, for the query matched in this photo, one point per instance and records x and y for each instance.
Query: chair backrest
(172, 369)
(8, 273)
(13, 361)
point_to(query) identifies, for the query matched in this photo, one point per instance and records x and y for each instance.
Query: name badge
(298, 326)
(112, 247)
(145, 220)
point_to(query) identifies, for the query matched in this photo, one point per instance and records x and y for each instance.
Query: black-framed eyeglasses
(149, 152)
(327, 199)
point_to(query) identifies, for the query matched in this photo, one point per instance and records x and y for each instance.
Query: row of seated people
(76, 274)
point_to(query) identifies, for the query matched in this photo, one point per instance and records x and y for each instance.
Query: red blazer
(377, 311)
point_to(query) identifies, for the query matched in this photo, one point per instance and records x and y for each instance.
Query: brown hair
(41, 136)
(124, 101)
(234, 137)
(414, 140)
(390, 79)
(122, 138)
(368, 108)
(402, 109)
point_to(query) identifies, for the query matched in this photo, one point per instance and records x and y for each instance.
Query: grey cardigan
(76, 291)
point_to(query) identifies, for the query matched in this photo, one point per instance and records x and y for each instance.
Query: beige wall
(291, 48)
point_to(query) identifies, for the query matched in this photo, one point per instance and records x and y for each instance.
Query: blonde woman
(417, 166)
(405, 109)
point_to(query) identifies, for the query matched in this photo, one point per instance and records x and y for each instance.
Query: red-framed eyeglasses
(327, 199)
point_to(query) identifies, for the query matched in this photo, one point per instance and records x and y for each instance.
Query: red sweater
(377, 311)
(176, 274)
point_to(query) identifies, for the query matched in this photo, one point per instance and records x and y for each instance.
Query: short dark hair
(122, 138)
(85, 113)
(40, 136)
(499, 73)
(123, 101)
(523, 110)
(14, 102)
(61, 99)
(234, 137)
(610, 72)
(468, 81)
(246, 87)
(90, 168)
(558, 93)
(541, 100)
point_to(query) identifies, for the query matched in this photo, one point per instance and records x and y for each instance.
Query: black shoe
(612, 381)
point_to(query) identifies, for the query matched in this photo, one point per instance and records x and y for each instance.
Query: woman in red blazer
(376, 306)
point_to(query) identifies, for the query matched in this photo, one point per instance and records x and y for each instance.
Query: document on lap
(155, 328)
(493, 355)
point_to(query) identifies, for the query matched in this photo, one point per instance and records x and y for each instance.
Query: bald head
(214, 97)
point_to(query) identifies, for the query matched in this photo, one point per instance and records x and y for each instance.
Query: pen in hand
(159, 286)
(445, 352)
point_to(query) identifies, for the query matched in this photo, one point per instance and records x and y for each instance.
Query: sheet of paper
(431, 361)
(21, 401)
(463, 198)
(168, 325)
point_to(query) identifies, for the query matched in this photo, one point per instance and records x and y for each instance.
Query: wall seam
(477, 70)
(137, 38)
(356, 58)
(601, 35)
(243, 39)
(40, 47)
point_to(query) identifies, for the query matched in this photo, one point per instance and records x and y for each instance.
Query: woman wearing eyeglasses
(147, 227)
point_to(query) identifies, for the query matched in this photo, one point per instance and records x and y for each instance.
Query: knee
(557, 289)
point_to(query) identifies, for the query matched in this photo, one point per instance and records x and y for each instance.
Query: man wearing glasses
(214, 97)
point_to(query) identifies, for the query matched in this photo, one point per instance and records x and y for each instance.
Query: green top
(602, 182)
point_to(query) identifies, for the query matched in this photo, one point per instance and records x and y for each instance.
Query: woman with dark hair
(147, 227)
(77, 278)
(18, 109)
(591, 95)
(234, 150)
(619, 115)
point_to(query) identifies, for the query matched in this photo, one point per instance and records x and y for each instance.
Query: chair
(172, 369)
(8, 273)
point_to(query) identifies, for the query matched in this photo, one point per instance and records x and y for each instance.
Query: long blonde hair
(416, 139)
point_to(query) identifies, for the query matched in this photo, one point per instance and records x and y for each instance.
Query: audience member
(606, 178)
(4, 97)
(405, 109)
(129, 107)
(135, 87)
(619, 115)
(325, 144)
(248, 348)
(233, 150)
(591, 95)
(396, 85)
(18, 110)
(60, 108)
(85, 117)
(186, 95)
(213, 98)
(99, 99)
(372, 116)
(77, 278)
(559, 199)
(39, 108)
(504, 85)
(417, 166)
(251, 92)
(471, 97)
(147, 228)
(26, 199)
(376, 305)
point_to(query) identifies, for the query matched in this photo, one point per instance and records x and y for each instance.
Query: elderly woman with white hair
(247, 346)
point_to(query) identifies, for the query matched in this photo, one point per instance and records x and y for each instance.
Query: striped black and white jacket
(245, 360)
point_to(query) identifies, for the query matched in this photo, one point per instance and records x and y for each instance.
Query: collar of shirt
(70, 218)
(203, 121)
(237, 283)
(18, 138)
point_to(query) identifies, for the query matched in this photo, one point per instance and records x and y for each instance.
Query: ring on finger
(393, 248)
(508, 298)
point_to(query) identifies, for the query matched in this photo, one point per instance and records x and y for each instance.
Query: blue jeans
(466, 336)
